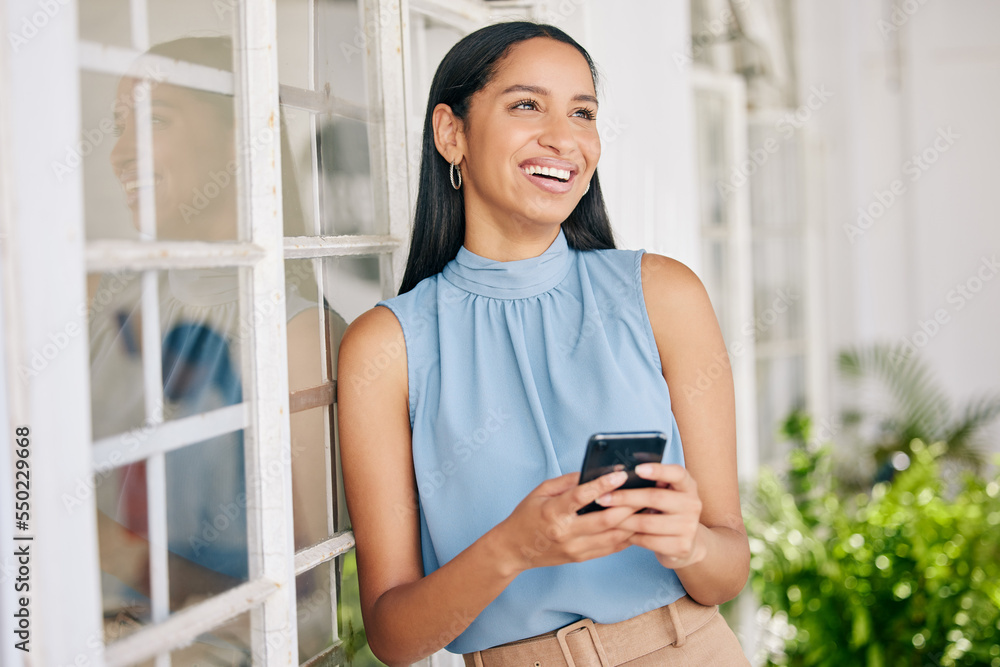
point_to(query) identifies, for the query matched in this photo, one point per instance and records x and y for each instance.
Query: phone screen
(608, 452)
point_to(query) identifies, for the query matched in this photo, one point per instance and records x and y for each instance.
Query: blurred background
(827, 169)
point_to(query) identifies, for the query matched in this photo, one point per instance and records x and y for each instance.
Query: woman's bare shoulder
(674, 294)
(376, 325)
(373, 351)
(666, 280)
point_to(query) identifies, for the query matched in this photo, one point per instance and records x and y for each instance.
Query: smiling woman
(520, 331)
(193, 148)
(541, 118)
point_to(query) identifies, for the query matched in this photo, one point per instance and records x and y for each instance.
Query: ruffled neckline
(517, 279)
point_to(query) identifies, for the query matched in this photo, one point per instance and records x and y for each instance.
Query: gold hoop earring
(455, 168)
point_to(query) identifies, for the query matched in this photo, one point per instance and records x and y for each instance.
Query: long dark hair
(439, 220)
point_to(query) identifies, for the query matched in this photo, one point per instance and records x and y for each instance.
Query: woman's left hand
(670, 527)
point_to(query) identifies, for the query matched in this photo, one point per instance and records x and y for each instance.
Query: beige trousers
(682, 633)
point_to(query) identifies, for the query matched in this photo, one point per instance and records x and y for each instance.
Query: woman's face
(193, 168)
(538, 112)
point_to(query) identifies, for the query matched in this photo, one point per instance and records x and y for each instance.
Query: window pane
(311, 470)
(206, 529)
(315, 611)
(716, 262)
(430, 40)
(201, 331)
(778, 285)
(343, 42)
(774, 189)
(169, 112)
(199, 334)
(348, 193)
(106, 22)
(169, 20)
(352, 285)
(294, 40)
(298, 191)
(227, 644)
(106, 210)
(314, 335)
(780, 389)
(206, 519)
(715, 184)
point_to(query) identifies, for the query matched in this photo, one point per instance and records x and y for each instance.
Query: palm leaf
(919, 408)
(963, 434)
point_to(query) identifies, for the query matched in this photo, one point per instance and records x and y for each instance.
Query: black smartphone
(608, 452)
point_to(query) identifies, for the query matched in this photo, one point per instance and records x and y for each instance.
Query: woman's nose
(558, 135)
(123, 150)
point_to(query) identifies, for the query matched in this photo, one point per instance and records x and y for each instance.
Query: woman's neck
(510, 242)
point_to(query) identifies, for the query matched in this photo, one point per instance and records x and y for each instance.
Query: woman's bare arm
(700, 532)
(407, 615)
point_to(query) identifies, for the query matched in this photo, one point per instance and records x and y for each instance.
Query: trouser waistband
(604, 644)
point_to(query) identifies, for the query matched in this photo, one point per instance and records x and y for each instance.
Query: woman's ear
(449, 137)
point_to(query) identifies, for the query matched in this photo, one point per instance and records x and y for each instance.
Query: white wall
(889, 104)
(646, 118)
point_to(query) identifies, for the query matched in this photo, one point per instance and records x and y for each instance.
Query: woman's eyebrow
(538, 90)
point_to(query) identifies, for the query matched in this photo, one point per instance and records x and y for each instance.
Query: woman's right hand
(544, 529)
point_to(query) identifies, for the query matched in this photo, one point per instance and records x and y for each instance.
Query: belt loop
(675, 618)
(477, 657)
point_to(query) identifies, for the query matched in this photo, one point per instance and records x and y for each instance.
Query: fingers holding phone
(545, 529)
(670, 526)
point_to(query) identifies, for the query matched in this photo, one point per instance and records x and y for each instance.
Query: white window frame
(735, 233)
(811, 343)
(738, 234)
(67, 625)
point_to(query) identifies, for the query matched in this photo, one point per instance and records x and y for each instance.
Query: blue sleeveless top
(512, 366)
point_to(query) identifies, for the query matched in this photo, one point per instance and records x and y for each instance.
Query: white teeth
(131, 186)
(561, 174)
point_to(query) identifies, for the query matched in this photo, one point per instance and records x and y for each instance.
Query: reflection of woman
(194, 190)
(519, 332)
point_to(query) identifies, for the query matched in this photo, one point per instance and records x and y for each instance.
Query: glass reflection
(193, 179)
(202, 331)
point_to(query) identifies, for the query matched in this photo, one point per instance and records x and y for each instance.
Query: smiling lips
(131, 184)
(561, 174)
(551, 175)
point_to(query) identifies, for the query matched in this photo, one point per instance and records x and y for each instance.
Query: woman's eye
(588, 114)
(525, 104)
